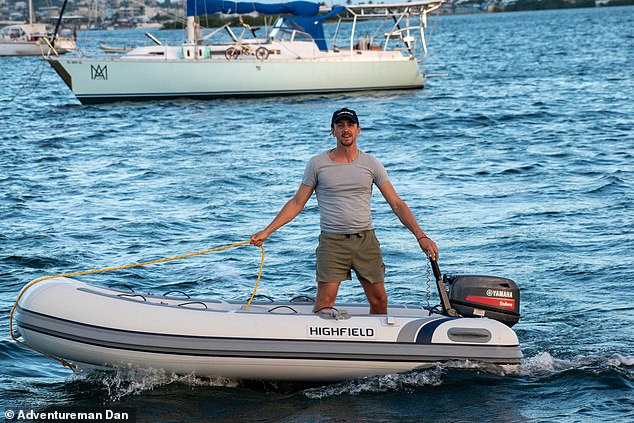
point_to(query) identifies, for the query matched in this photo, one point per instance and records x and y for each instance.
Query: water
(518, 164)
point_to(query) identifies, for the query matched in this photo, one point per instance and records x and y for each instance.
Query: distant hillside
(560, 4)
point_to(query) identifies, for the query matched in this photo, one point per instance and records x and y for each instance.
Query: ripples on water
(519, 164)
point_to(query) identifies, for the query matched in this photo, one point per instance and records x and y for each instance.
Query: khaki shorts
(338, 254)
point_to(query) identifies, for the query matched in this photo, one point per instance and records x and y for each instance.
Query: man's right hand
(258, 238)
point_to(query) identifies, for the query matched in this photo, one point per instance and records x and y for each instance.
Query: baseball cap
(344, 113)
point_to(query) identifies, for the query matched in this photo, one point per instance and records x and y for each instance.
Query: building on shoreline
(112, 14)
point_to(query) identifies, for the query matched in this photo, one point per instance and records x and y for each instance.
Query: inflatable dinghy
(93, 326)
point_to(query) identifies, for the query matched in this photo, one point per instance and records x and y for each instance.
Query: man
(342, 179)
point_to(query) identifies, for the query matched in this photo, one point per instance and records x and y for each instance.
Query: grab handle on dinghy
(442, 292)
(132, 295)
(282, 307)
(264, 296)
(302, 299)
(177, 292)
(192, 302)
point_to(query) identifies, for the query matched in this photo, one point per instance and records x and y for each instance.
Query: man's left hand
(429, 247)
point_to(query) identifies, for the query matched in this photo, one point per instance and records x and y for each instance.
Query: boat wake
(119, 384)
(403, 382)
(544, 364)
(541, 366)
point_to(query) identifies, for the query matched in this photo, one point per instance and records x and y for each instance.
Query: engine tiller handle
(444, 298)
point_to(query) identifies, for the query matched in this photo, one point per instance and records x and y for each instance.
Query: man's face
(346, 132)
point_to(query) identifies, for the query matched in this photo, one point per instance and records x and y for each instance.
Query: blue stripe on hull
(111, 98)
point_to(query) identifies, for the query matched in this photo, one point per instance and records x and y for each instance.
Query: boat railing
(409, 19)
(283, 32)
(396, 9)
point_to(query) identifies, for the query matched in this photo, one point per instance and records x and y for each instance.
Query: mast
(59, 22)
(191, 30)
(31, 12)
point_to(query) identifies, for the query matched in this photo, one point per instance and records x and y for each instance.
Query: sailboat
(293, 56)
(30, 39)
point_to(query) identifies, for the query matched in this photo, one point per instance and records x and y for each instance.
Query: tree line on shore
(215, 21)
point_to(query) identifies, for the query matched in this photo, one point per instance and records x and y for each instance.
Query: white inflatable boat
(93, 326)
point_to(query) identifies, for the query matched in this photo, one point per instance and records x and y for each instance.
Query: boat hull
(273, 341)
(20, 48)
(31, 48)
(107, 80)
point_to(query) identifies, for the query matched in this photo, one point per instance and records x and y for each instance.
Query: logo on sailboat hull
(99, 72)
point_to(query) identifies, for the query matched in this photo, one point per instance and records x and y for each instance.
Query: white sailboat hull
(30, 48)
(20, 48)
(104, 80)
(28, 40)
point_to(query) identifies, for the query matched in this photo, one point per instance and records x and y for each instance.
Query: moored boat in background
(32, 39)
(292, 57)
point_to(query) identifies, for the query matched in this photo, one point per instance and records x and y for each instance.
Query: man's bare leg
(377, 297)
(326, 295)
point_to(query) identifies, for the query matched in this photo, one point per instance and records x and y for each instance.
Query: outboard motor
(479, 296)
(485, 296)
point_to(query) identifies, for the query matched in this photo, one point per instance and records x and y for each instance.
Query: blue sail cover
(208, 7)
(315, 26)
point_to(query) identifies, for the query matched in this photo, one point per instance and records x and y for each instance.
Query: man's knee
(326, 294)
(378, 299)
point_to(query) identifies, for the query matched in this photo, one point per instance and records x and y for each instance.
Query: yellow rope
(246, 307)
(127, 266)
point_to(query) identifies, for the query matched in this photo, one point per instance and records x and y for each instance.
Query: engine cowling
(485, 296)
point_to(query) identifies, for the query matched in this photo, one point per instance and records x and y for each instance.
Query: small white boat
(28, 39)
(292, 56)
(114, 49)
(101, 327)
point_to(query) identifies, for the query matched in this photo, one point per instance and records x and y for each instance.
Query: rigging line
(433, 27)
(27, 81)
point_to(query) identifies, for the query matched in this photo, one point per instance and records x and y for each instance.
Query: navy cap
(344, 113)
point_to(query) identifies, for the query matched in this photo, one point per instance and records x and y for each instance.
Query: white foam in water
(125, 382)
(386, 383)
(544, 363)
(621, 360)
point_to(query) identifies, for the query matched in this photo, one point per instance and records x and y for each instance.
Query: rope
(127, 266)
(27, 81)
(246, 307)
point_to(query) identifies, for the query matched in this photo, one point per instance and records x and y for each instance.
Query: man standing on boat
(342, 179)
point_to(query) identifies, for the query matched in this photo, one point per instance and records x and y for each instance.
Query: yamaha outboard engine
(479, 296)
(485, 296)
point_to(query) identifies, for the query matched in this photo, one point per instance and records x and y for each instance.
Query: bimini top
(208, 7)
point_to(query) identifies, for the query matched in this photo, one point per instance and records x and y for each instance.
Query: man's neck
(343, 154)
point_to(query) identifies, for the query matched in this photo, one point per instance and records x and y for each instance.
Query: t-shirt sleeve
(310, 174)
(379, 173)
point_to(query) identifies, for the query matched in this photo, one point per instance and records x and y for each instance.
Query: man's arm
(290, 210)
(406, 217)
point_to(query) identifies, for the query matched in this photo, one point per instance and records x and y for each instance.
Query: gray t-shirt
(344, 191)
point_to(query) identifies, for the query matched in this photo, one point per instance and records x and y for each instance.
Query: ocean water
(519, 163)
